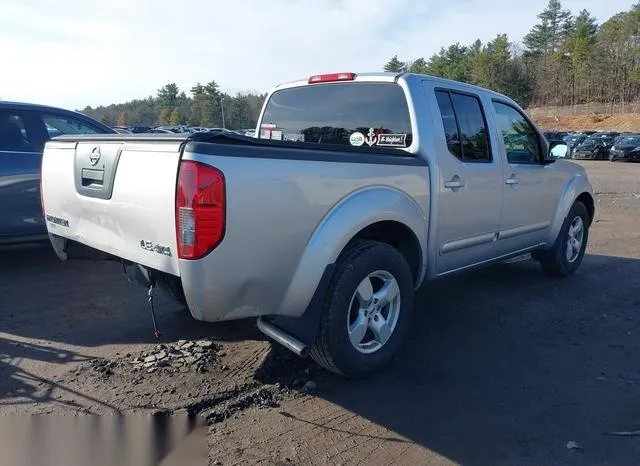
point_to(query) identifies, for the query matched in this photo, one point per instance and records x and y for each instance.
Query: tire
(555, 261)
(373, 262)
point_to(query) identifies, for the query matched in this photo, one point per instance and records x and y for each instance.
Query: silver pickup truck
(355, 190)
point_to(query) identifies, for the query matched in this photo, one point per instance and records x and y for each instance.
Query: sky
(76, 53)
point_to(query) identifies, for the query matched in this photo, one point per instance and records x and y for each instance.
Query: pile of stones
(183, 356)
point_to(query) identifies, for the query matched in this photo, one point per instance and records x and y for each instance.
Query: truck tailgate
(116, 195)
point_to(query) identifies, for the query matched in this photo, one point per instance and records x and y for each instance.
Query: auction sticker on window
(392, 140)
(356, 139)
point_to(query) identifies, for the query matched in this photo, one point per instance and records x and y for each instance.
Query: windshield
(631, 140)
(356, 114)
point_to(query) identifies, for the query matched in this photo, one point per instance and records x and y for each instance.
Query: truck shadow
(91, 304)
(505, 366)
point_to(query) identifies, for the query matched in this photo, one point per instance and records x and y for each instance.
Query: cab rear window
(352, 114)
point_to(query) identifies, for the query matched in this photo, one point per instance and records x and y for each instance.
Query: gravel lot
(503, 365)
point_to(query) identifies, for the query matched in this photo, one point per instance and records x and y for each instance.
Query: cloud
(79, 53)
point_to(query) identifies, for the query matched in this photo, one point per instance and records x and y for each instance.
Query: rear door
(470, 187)
(20, 155)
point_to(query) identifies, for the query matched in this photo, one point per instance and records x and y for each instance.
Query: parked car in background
(24, 129)
(555, 135)
(139, 129)
(625, 147)
(592, 148)
(121, 129)
(159, 131)
(573, 140)
(363, 186)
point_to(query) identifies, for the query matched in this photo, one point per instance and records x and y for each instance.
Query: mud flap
(305, 327)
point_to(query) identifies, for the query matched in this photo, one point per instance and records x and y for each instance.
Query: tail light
(200, 209)
(331, 77)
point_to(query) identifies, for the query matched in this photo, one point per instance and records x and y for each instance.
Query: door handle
(454, 183)
(512, 180)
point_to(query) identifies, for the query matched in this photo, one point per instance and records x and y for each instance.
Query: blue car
(24, 129)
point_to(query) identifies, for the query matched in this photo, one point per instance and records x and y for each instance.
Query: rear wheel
(367, 310)
(567, 253)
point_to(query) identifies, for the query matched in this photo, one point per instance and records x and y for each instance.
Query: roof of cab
(24, 106)
(30, 106)
(394, 77)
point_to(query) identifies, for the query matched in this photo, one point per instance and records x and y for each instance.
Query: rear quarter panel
(279, 209)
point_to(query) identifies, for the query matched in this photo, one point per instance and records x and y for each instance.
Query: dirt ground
(503, 365)
(629, 122)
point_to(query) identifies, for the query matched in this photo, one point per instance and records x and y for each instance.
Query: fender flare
(340, 225)
(576, 186)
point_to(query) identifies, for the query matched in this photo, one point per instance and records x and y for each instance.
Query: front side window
(521, 140)
(58, 125)
(14, 136)
(464, 126)
(355, 114)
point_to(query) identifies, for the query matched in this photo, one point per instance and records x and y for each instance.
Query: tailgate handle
(92, 177)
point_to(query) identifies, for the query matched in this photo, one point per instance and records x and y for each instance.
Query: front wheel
(366, 313)
(567, 253)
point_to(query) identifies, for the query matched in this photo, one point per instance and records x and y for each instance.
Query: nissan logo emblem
(94, 156)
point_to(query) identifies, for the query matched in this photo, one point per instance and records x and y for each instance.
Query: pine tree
(395, 65)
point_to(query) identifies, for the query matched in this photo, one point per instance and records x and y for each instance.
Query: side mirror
(557, 150)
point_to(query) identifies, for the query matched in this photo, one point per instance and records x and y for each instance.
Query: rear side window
(464, 126)
(58, 125)
(14, 136)
(352, 114)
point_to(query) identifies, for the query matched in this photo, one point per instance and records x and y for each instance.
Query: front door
(470, 183)
(531, 188)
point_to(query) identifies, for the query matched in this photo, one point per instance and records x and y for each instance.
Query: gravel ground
(503, 365)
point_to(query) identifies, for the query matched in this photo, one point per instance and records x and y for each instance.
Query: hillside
(594, 122)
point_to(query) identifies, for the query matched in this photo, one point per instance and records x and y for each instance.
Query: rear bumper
(67, 249)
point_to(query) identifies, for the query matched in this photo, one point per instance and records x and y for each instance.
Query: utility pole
(222, 107)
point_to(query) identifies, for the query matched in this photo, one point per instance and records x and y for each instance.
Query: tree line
(565, 59)
(206, 106)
